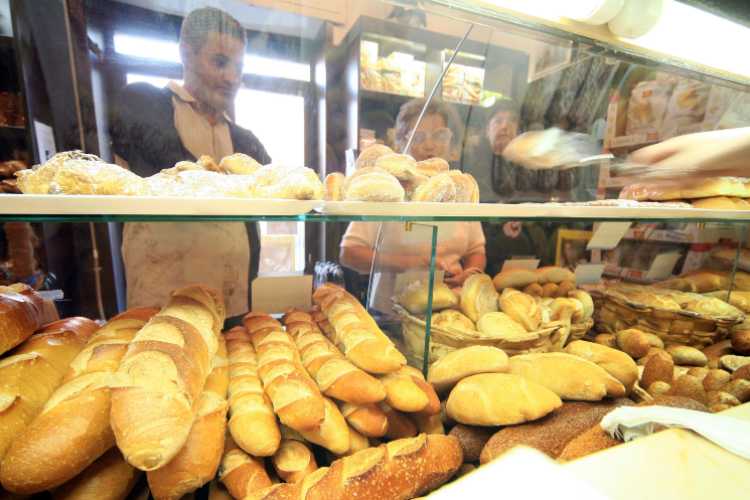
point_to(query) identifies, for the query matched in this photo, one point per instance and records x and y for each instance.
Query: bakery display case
(343, 249)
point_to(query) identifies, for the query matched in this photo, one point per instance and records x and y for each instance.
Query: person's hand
(720, 152)
(457, 280)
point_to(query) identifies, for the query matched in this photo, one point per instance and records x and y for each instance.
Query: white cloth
(162, 256)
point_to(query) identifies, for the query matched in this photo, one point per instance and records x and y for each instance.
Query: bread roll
(333, 433)
(491, 399)
(240, 473)
(336, 376)
(461, 363)
(432, 166)
(369, 420)
(198, 460)
(551, 433)
(357, 334)
(433, 405)
(20, 314)
(293, 461)
(295, 396)
(403, 393)
(73, 428)
(687, 356)
(515, 278)
(521, 308)
(498, 325)
(554, 274)
(398, 470)
(616, 363)
(439, 188)
(162, 375)
(34, 370)
(451, 319)
(252, 421)
(533, 289)
(586, 301)
(415, 297)
(568, 376)
(334, 184)
(240, 164)
(402, 167)
(478, 296)
(373, 184)
(633, 341)
(472, 440)
(370, 155)
(108, 478)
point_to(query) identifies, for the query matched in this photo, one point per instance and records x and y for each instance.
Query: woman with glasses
(460, 251)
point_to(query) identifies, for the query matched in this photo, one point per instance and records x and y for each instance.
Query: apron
(162, 256)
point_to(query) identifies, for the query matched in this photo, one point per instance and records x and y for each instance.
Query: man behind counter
(155, 128)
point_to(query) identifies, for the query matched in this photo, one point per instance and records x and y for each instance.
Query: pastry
(373, 184)
(402, 167)
(239, 163)
(432, 166)
(439, 189)
(467, 189)
(334, 186)
(370, 155)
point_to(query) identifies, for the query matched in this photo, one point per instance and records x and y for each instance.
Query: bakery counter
(100, 208)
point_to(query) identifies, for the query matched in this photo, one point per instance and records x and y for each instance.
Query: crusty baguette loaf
(332, 433)
(252, 421)
(399, 424)
(217, 491)
(295, 396)
(398, 470)
(21, 315)
(161, 377)
(368, 420)
(198, 460)
(241, 473)
(34, 370)
(461, 363)
(109, 478)
(356, 333)
(428, 424)
(336, 376)
(73, 428)
(615, 362)
(294, 460)
(357, 442)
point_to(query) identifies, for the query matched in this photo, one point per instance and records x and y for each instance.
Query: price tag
(589, 273)
(529, 264)
(277, 294)
(607, 235)
(661, 267)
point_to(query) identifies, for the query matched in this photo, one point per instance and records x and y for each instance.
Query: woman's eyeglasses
(441, 136)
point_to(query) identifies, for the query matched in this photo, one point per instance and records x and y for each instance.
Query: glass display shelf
(60, 208)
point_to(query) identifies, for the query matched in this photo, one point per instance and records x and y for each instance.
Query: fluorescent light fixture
(158, 50)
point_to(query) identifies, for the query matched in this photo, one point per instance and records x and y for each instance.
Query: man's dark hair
(506, 105)
(201, 22)
(409, 112)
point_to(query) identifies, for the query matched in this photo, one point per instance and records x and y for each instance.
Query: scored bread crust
(110, 477)
(21, 311)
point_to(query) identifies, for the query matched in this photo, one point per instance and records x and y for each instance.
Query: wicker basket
(552, 337)
(615, 311)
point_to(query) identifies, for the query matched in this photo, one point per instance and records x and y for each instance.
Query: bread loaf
(295, 396)
(108, 478)
(453, 320)
(403, 393)
(356, 333)
(461, 363)
(400, 425)
(554, 274)
(472, 440)
(336, 376)
(398, 470)
(478, 297)
(162, 375)
(616, 363)
(332, 433)
(294, 460)
(20, 314)
(415, 297)
(491, 399)
(549, 434)
(73, 428)
(357, 442)
(521, 308)
(240, 473)
(197, 461)
(570, 377)
(515, 278)
(34, 370)
(252, 421)
(369, 420)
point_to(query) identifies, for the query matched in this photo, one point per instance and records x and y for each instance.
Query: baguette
(34, 370)
(398, 470)
(109, 478)
(21, 313)
(333, 432)
(295, 396)
(240, 473)
(294, 460)
(357, 442)
(198, 460)
(356, 333)
(252, 421)
(73, 428)
(368, 420)
(399, 424)
(162, 375)
(336, 376)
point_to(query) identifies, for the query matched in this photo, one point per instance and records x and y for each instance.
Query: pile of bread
(262, 408)
(714, 193)
(385, 176)
(8, 169)
(496, 312)
(235, 176)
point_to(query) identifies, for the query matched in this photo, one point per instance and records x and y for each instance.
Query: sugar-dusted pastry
(439, 188)
(294, 183)
(370, 154)
(467, 189)
(373, 184)
(239, 163)
(403, 167)
(432, 166)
